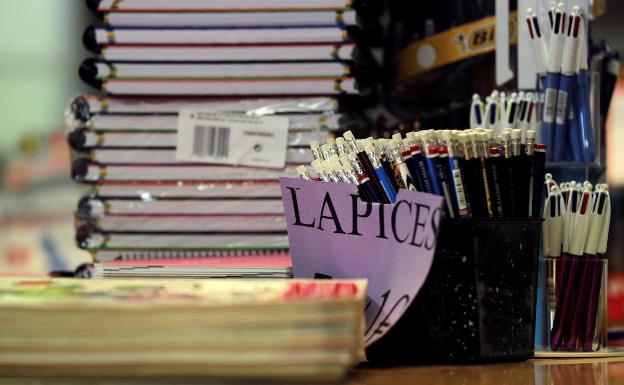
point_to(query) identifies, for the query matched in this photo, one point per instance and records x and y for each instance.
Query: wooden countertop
(598, 371)
(535, 372)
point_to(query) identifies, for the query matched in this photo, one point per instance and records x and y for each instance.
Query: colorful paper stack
(158, 59)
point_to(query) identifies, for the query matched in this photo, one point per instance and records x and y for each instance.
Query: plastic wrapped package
(168, 122)
(81, 139)
(108, 156)
(83, 106)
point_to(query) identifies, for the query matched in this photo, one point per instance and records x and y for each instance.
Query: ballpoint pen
(540, 46)
(564, 319)
(585, 132)
(510, 111)
(388, 190)
(580, 272)
(552, 6)
(551, 83)
(604, 213)
(491, 110)
(476, 112)
(566, 89)
(553, 231)
(519, 109)
(502, 107)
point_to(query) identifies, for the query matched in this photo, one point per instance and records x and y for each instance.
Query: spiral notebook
(185, 224)
(96, 36)
(97, 205)
(137, 254)
(203, 87)
(85, 171)
(88, 238)
(86, 105)
(230, 18)
(91, 70)
(214, 5)
(227, 53)
(147, 190)
(264, 266)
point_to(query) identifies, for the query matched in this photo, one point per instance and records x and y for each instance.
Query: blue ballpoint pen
(551, 84)
(585, 131)
(566, 88)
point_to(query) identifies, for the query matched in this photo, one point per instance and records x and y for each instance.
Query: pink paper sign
(335, 234)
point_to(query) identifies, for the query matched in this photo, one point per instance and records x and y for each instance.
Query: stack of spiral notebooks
(149, 213)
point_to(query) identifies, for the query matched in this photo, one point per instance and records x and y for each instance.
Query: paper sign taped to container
(334, 234)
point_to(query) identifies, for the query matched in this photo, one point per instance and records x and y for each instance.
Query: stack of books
(158, 59)
(228, 329)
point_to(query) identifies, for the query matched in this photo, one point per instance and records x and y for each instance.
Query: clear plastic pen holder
(574, 301)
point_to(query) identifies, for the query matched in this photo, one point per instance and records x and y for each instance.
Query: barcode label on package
(550, 104)
(236, 139)
(562, 101)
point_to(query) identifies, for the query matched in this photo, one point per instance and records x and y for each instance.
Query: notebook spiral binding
(182, 254)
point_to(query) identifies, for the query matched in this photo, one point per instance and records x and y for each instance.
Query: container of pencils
(575, 295)
(478, 302)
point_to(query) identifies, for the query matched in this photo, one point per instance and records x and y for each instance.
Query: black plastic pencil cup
(478, 302)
